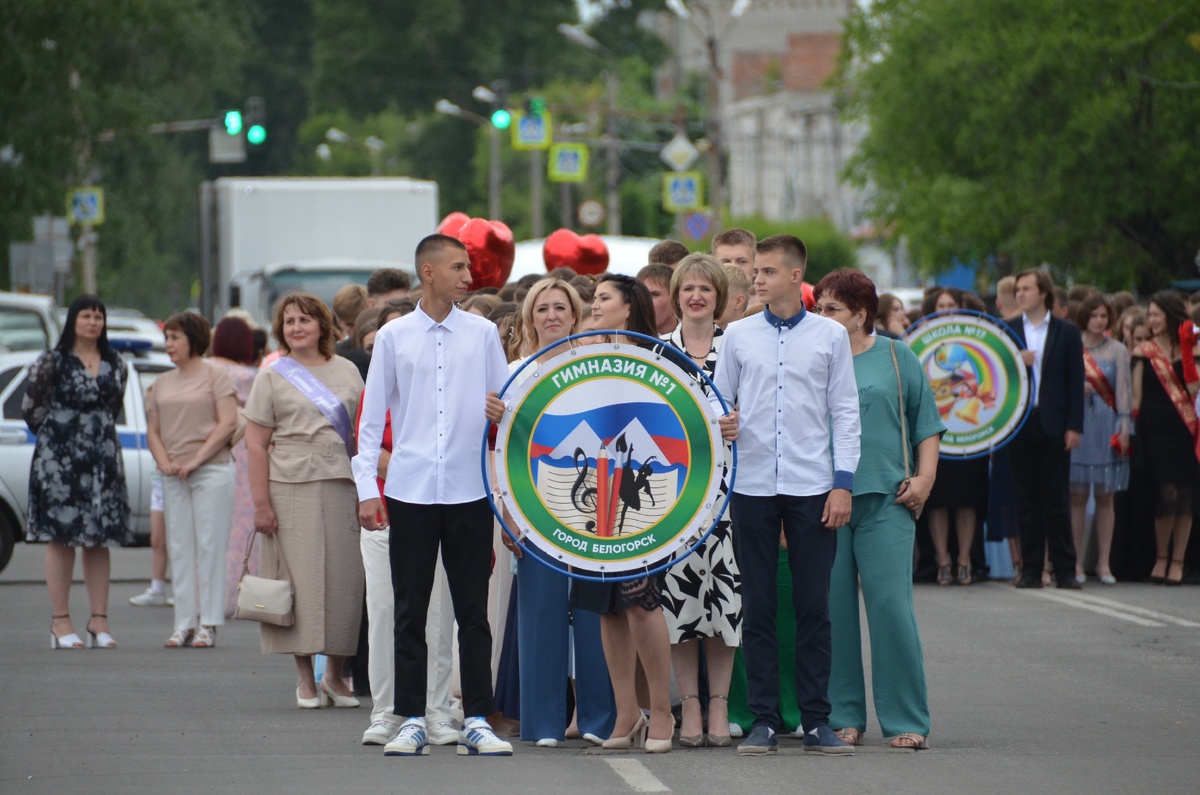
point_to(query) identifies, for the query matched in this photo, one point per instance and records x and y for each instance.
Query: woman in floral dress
(77, 491)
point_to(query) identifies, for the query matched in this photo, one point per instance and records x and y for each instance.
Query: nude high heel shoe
(635, 739)
(654, 746)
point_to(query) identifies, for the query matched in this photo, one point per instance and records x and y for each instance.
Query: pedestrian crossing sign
(86, 206)
(683, 191)
(530, 130)
(568, 162)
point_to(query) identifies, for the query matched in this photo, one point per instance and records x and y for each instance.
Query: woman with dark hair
(1164, 387)
(875, 548)
(77, 492)
(1097, 464)
(191, 415)
(233, 351)
(961, 489)
(891, 319)
(305, 502)
(632, 626)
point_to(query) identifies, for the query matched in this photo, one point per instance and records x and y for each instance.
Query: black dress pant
(811, 549)
(1041, 469)
(464, 533)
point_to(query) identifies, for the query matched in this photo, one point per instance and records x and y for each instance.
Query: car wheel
(8, 539)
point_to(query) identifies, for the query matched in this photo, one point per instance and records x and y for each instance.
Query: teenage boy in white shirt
(433, 368)
(792, 377)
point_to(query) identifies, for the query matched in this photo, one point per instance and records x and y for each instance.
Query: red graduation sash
(1097, 379)
(1174, 389)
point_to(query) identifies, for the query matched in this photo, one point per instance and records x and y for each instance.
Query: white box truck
(261, 237)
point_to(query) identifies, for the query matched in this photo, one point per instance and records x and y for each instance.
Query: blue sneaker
(410, 740)
(762, 740)
(823, 740)
(478, 739)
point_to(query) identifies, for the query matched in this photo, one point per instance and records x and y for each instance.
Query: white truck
(261, 237)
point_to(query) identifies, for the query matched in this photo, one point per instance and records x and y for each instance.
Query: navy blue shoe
(823, 740)
(762, 740)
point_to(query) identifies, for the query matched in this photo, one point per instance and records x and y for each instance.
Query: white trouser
(439, 636)
(197, 513)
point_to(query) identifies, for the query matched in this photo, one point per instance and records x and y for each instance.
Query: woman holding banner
(1100, 463)
(549, 636)
(632, 626)
(305, 501)
(1164, 386)
(891, 486)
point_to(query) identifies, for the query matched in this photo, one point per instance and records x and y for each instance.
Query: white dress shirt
(1035, 340)
(434, 377)
(793, 380)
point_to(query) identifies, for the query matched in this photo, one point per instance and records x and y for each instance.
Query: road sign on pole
(531, 130)
(568, 162)
(683, 191)
(86, 206)
(679, 153)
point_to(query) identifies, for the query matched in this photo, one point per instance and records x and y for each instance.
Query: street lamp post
(712, 41)
(612, 171)
(450, 109)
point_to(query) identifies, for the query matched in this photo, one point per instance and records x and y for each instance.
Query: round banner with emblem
(609, 459)
(980, 384)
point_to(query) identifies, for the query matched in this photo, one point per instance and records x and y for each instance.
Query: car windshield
(22, 330)
(322, 284)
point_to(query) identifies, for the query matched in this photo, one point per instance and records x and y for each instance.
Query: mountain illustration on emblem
(605, 472)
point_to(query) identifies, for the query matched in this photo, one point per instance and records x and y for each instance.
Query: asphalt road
(1031, 691)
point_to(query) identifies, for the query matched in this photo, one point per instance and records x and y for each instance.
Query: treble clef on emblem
(584, 499)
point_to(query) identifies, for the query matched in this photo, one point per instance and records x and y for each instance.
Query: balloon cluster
(490, 247)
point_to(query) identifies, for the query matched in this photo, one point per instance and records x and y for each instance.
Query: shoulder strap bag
(903, 424)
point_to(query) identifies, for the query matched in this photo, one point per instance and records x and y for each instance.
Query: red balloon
(585, 255)
(491, 249)
(806, 294)
(452, 223)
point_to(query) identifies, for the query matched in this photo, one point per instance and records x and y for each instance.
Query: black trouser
(464, 532)
(1041, 469)
(811, 549)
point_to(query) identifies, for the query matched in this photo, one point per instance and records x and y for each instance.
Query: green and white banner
(609, 458)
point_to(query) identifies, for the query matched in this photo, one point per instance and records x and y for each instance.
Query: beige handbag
(261, 599)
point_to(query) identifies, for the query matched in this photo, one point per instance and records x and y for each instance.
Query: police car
(16, 440)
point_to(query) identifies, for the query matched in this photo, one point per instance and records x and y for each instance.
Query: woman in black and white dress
(701, 598)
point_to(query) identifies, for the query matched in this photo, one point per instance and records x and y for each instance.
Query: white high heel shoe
(331, 699)
(307, 703)
(71, 641)
(99, 640)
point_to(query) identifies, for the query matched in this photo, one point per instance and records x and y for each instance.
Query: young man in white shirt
(792, 377)
(433, 369)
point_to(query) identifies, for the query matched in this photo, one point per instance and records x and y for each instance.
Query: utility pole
(536, 178)
(612, 173)
(493, 172)
(716, 159)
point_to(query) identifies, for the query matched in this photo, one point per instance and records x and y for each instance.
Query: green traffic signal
(257, 134)
(233, 122)
(501, 118)
(537, 106)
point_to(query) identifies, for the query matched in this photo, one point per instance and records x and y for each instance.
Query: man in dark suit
(1041, 452)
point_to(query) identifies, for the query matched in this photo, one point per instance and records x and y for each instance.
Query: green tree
(1059, 131)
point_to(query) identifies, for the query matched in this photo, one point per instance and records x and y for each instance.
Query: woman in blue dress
(1100, 465)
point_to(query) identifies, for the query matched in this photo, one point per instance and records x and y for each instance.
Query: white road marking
(1141, 611)
(636, 775)
(1066, 600)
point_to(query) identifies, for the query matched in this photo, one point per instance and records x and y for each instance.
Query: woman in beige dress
(305, 503)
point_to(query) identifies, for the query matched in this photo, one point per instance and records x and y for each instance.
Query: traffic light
(501, 118)
(256, 120)
(536, 106)
(233, 122)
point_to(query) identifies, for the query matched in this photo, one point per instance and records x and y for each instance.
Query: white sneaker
(478, 739)
(443, 734)
(410, 740)
(379, 732)
(149, 599)
(547, 742)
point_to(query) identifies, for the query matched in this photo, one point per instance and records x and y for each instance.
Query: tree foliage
(1032, 131)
